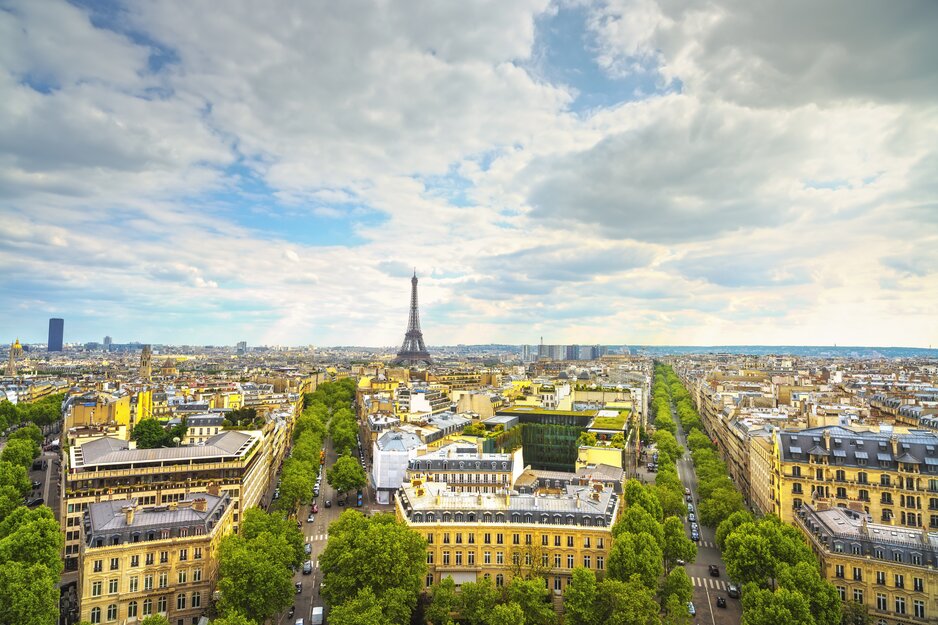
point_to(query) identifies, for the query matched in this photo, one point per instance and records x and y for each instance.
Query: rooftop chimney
(212, 489)
(199, 504)
(129, 513)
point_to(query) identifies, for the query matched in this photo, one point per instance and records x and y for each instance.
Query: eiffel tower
(413, 351)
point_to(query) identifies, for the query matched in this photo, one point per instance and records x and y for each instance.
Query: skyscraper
(107, 343)
(56, 332)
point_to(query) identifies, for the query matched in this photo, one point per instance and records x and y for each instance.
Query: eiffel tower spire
(413, 351)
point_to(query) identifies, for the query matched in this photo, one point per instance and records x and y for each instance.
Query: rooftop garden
(611, 423)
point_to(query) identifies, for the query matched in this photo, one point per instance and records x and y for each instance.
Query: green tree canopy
(477, 600)
(257, 522)
(234, 618)
(444, 602)
(636, 554)
(533, 597)
(764, 607)
(627, 603)
(377, 552)
(636, 519)
(506, 614)
(580, 598)
(346, 474)
(637, 494)
(29, 432)
(155, 619)
(20, 451)
(729, 525)
(677, 584)
(364, 608)
(254, 579)
(675, 544)
(150, 434)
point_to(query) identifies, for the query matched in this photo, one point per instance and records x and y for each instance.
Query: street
(706, 587)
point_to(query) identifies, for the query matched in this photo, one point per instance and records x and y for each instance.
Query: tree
(636, 554)
(668, 444)
(670, 499)
(675, 612)
(586, 439)
(675, 544)
(344, 438)
(636, 519)
(241, 418)
(377, 552)
(764, 607)
(20, 451)
(506, 614)
(362, 609)
(150, 434)
(443, 602)
(14, 476)
(823, 600)
(636, 494)
(256, 522)
(254, 579)
(29, 594)
(853, 613)
(729, 525)
(296, 483)
(677, 584)
(720, 505)
(31, 536)
(579, 598)
(29, 432)
(346, 474)
(627, 603)
(477, 600)
(155, 619)
(748, 556)
(234, 618)
(533, 598)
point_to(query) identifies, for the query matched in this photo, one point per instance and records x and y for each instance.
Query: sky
(627, 171)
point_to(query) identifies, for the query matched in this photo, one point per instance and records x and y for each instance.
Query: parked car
(308, 548)
(688, 498)
(691, 609)
(695, 536)
(308, 567)
(34, 503)
(721, 602)
(292, 611)
(691, 516)
(680, 562)
(733, 591)
(315, 509)
(686, 491)
(311, 518)
(328, 503)
(299, 587)
(694, 527)
(714, 570)
(690, 507)
(36, 484)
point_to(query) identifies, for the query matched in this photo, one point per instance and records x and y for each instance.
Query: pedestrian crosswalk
(706, 543)
(709, 582)
(316, 537)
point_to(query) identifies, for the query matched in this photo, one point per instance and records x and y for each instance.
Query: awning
(462, 577)
(861, 454)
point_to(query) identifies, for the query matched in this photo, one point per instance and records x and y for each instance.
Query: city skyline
(618, 173)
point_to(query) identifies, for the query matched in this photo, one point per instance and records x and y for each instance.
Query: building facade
(472, 536)
(137, 561)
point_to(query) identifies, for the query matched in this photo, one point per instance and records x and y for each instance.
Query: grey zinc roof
(107, 519)
(108, 451)
(398, 441)
(914, 447)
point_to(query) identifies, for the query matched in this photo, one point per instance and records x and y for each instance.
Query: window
(840, 476)
(556, 540)
(527, 539)
(133, 583)
(134, 561)
(556, 560)
(161, 604)
(147, 607)
(857, 574)
(429, 580)
(164, 581)
(115, 564)
(841, 492)
(197, 600)
(858, 595)
(429, 557)
(900, 581)
(499, 580)
(197, 553)
(445, 558)
(446, 538)
(472, 539)
(197, 575)
(516, 539)
(900, 605)
(839, 571)
(842, 592)
(569, 541)
(148, 582)
(458, 558)
(819, 474)
(132, 609)
(96, 589)
(864, 495)
(918, 607)
(164, 557)
(881, 601)
(112, 612)
(587, 562)
(586, 542)
(499, 539)
(884, 479)
(796, 489)
(919, 584)
(796, 471)
(487, 557)
(182, 576)
(544, 540)
(881, 578)
(600, 563)
(95, 615)
(181, 601)
(570, 561)
(183, 555)
(862, 478)
(98, 566)
(499, 557)
(487, 538)
(112, 586)
(471, 558)
(149, 559)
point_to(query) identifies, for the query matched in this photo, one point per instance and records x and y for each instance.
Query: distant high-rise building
(107, 343)
(56, 334)
(573, 352)
(242, 347)
(526, 353)
(597, 352)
